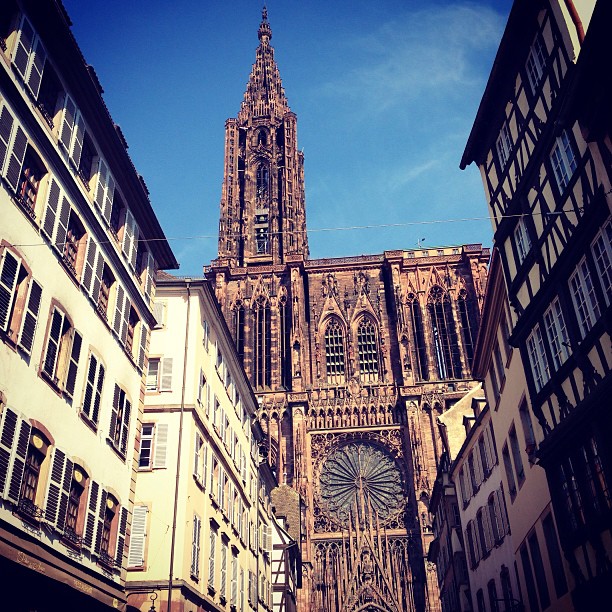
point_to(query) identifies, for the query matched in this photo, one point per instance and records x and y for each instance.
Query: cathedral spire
(263, 219)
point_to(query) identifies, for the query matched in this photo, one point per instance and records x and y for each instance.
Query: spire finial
(265, 31)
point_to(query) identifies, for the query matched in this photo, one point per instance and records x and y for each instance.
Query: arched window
(238, 329)
(445, 341)
(469, 323)
(263, 177)
(262, 137)
(262, 362)
(367, 347)
(419, 349)
(285, 342)
(334, 352)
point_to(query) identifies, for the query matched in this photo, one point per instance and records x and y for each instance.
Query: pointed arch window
(367, 347)
(285, 342)
(445, 341)
(419, 350)
(469, 323)
(238, 329)
(263, 180)
(262, 362)
(334, 352)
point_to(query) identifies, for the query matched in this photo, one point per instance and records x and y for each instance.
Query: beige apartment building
(541, 140)
(202, 511)
(79, 247)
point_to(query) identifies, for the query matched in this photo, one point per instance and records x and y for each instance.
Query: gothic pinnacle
(265, 31)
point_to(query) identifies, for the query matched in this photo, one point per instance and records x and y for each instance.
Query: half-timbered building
(352, 359)
(541, 139)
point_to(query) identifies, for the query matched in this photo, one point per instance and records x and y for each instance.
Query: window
(199, 460)
(36, 453)
(573, 504)
(509, 472)
(445, 341)
(129, 244)
(104, 190)
(74, 508)
(19, 300)
(563, 160)
(108, 513)
(61, 354)
(106, 282)
(238, 314)
(32, 172)
(211, 557)
(484, 534)
(262, 361)
(419, 352)
(234, 583)
(93, 389)
(537, 358)
(495, 519)
(368, 350)
(535, 64)
(334, 352)
(538, 567)
(522, 240)
(516, 456)
(499, 363)
(558, 341)
(74, 244)
(530, 441)
(492, 591)
(120, 420)
(133, 321)
(469, 325)
(503, 145)
(284, 313)
(145, 455)
(136, 554)
(584, 298)
(529, 579)
(29, 56)
(159, 374)
(195, 547)
(602, 254)
(554, 555)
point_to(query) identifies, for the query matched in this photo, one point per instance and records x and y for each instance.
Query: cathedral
(352, 360)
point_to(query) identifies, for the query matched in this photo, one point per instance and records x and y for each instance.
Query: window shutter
(53, 198)
(161, 445)
(114, 411)
(92, 512)
(123, 517)
(15, 157)
(201, 384)
(100, 193)
(90, 385)
(78, 134)
(149, 275)
(208, 398)
(142, 351)
(125, 425)
(100, 521)
(119, 306)
(197, 449)
(137, 537)
(9, 422)
(9, 273)
(501, 507)
(68, 117)
(158, 313)
(73, 366)
(18, 458)
(6, 128)
(134, 249)
(125, 319)
(58, 489)
(204, 465)
(98, 395)
(195, 547)
(23, 48)
(53, 343)
(61, 228)
(128, 233)
(30, 317)
(89, 268)
(38, 58)
(166, 374)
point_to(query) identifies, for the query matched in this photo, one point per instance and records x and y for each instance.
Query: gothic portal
(352, 359)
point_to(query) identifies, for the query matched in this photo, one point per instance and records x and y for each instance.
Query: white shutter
(30, 317)
(197, 450)
(73, 365)
(195, 546)
(16, 155)
(38, 57)
(61, 226)
(67, 123)
(138, 537)
(78, 134)
(100, 192)
(142, 351)
(166, 374)
(58, 489)
(158, 312)
(23, 48)
(125, 319)
(161, 445)
(120, 300)
(130, 238)
(51, 208)
(9, 274)
(6, 129)
(53, 343)
(149, 275)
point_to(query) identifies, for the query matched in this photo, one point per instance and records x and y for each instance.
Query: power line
(338, 229)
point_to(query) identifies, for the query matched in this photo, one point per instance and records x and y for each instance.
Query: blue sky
(385, 93)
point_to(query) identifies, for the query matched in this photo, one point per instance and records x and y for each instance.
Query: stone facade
(352, 359)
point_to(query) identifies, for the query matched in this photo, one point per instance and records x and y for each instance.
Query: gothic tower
(352, 360)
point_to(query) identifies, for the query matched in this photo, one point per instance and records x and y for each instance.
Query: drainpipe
(571, 7)
(178, 457)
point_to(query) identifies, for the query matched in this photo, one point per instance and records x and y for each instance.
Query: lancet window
(262, 362)
(367, 347)
(238, 329)
(469, 324)
(285, 342)
(419, 353)
(334, 352)
(445, 341)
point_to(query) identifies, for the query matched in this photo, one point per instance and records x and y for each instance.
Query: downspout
(571, 7)
(178, 457)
